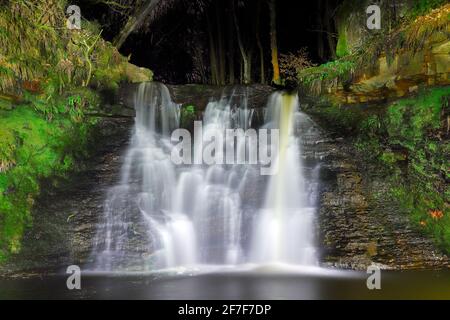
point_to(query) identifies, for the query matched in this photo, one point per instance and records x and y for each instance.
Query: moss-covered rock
(405, 143)
(414, 54)
(51, 78)
(136, 74)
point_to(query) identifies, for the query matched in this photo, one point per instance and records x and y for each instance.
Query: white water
(163, 216)
(284, 227)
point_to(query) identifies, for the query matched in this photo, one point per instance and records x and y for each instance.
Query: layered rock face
(405, 74)
(359, 224)
(400, 58)
(65, 217)
(200, 95)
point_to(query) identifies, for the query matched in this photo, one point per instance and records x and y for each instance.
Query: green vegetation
(188, 116)
(34, 148)
(411, 145)
(408, 143)
(49, 78)
(430, 18)
(41, 55)
(332, 71)
(411, 35)
(422, 7)
(407, 140)
(342, 46)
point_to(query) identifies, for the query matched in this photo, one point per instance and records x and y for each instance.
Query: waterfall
(284, 228)
(162, 215)
(139, 230)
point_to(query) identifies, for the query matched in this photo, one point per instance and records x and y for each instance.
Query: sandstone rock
(405, 74)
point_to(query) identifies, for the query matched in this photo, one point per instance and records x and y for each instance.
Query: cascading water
(140, 230)
(284, 228)
(163, 216)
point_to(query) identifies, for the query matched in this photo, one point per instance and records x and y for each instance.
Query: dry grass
(30, 32)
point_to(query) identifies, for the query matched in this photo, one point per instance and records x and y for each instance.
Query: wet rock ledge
(359, 224)
(200, 95)
(65, 216)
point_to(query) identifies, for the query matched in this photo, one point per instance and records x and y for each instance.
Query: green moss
(188, 115)
(52, 71)
(389, 158)
(409, 119)
(342, 46)
(189, 110)
(408, 146)
(406, 143)
(421, 7)
(35, 147)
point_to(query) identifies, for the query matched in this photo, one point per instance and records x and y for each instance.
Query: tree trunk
(247, 75)
(330, 31)
(260, 46)
(220, 47)
(273, 42)
(320, 45)
(212, 53)
(134, 22)
(241, 72)
(248, 72)
(231, 65)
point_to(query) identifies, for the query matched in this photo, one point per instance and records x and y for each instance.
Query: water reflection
(248, 285)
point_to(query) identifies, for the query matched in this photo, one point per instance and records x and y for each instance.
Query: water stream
(161, 215)
(222, 231)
